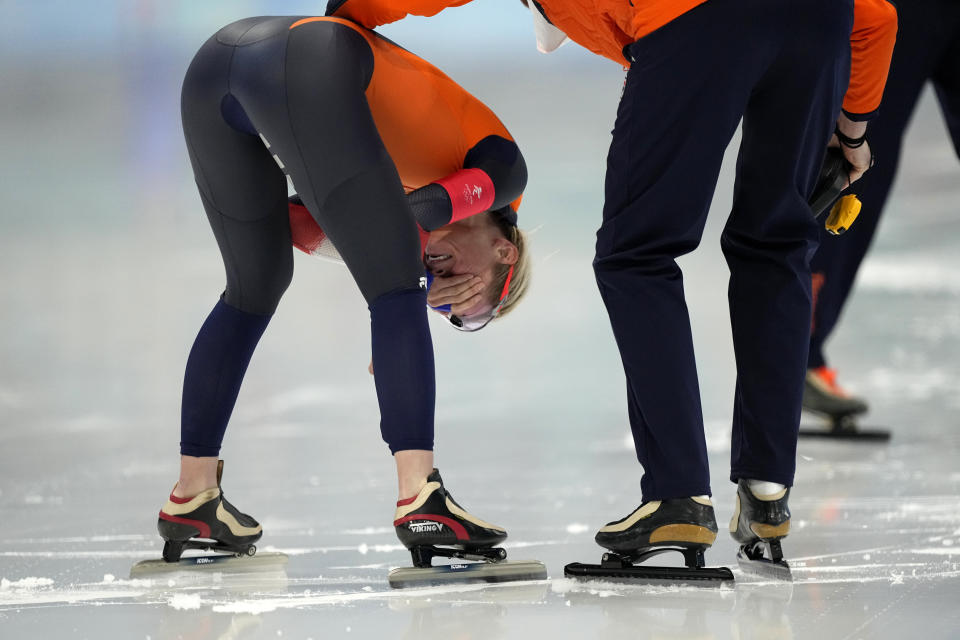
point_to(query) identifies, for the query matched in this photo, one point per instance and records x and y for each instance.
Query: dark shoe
(681, 522)
(433, 518)
(206, 516)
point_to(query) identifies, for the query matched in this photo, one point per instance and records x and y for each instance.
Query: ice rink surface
(107, 269)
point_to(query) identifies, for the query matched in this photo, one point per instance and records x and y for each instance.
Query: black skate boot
(759, 523)
(824, 397)
(208, 522)
(431, 524)
(684, 525)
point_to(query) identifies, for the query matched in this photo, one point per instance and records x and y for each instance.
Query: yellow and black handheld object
(842, 214)
(834, 175)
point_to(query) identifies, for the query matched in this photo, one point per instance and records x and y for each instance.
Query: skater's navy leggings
(260, 101)
(928, 48)
(783, 68)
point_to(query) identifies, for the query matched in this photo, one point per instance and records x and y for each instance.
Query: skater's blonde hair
(520, 280)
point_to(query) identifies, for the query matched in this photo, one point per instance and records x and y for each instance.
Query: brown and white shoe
(206, 521)
(680, 522)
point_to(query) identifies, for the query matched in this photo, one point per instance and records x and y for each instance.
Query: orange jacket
(607, 26)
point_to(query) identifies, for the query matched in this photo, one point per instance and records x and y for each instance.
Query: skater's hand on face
(861, 157)
(461, 292)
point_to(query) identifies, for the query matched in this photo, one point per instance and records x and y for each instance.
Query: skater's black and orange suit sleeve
(607, 26)
(436, 134)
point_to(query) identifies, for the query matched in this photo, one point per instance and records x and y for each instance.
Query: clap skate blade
(629, 568)
(225, 559)
(845, 427)
(764, 558)
(485, 565)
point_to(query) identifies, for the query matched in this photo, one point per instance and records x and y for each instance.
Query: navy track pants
(785, 73)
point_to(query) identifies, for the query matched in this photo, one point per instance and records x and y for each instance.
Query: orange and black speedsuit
(355, 122)
(696, 69)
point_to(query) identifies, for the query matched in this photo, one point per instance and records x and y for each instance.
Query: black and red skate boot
(684, 525)
(759, 522)
(206, 521)
(431, 524)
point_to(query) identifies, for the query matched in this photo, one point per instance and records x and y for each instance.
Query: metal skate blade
(640, 574)
(223, 563)
(765, 568)
(856, 433)
(467, 572)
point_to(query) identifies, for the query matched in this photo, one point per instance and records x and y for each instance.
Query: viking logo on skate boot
(425, 527)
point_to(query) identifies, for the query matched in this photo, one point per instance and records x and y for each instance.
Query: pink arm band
(471, 192)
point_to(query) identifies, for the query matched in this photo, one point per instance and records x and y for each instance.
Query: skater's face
(473, 246)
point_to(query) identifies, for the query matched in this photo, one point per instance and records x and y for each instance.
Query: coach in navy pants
(689, 85)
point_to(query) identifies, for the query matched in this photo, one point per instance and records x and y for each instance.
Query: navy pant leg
(677, 114)
(928, 44)
(770, 237)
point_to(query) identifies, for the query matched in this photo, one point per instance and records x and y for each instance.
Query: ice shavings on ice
(255, 607)
(608, 589)
(577, 527)
(563, 586)
(35, 591)
(185, 601)
(24, 584)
